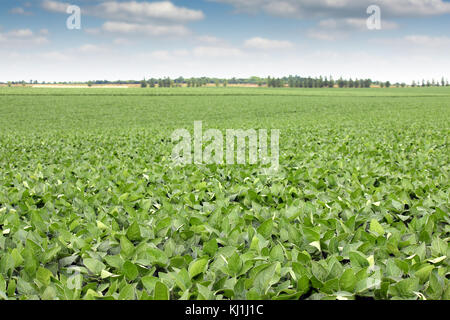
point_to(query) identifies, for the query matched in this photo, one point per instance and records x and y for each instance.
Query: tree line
(272, 82)
(291, 82)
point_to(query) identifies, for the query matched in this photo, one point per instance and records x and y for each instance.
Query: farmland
(92, 207)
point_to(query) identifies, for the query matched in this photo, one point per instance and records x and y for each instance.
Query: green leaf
(44, 275)
(94, 265)
(49, 294)
(2, 283)
(161, 291)
(265, 229)
(127, 248)
(134, 232)
(197, 267)
(348, 281)
(376, 227)
(204, 293)
(358, 260)
(211, 247)
(130, 271)
(303, 285)
(267, 277)
(424, 273)
(149, 283)
(234, 264)
(127, 293)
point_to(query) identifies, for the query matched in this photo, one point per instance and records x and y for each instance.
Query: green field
(92, 207)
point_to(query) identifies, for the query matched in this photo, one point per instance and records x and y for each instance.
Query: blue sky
(125, 39)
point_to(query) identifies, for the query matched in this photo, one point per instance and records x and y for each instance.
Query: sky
(123, 39)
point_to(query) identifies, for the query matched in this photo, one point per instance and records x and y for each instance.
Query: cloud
(428, 41)
(159, 18)
(143, 11)
(133, 11)
(339, 8)
(209, 39)
(216, 52)
(54, 56)
(353, 24)
(147, 29)
(93, 31)
(267, 44)
(20, 33)
(20, 37)
(326, 35)
(337, 29)
(91, 48)
(21, 11)
(55, 6)
(161, 55)
(416, 41)
(121, 41)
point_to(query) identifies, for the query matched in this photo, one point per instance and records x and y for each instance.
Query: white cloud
(340, 8)
(353, 24)
(165, 55)
(91, 48)
(54, 56)
(133, 11)
(121, 41)
(21, 37)
(21, 11)
(143, 11)
(147, 29)
(337, 29)
(55, 6)
(161, 55)
(181, 53)
(20, 33)
(209, 39)
(92, 31)
(216, 52)
(158, 18)
(415, 42)
(325, 35)
(267, 44)
(428, 41)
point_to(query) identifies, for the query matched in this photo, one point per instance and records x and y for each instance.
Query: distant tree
(143, 84)
(381, 84)
(225, 83)
(443, 81)
(388, 84)
(331, 83)
(89, 84)
(403, 85)
(9, 84)
(350, 83)
(413, 84)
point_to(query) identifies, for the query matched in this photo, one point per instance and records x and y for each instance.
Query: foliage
(91, 206)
